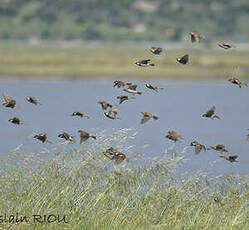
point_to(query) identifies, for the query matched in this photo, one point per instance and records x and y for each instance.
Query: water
(179, 107)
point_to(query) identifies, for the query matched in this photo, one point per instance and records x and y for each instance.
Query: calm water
(179, 107)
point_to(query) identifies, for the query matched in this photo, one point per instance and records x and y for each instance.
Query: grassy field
(93, 193)
(49, 61)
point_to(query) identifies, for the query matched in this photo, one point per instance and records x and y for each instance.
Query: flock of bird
(112, 113)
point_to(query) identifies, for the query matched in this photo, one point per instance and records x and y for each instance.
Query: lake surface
(179, 107)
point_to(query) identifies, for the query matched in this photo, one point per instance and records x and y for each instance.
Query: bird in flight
(232, 158)
(156, 50)
(32, 100)
(15, 120)
(147, 116)
(211, 113)
(195, 37)
(132, 89)
(198, 147)
(153, 87)
(9, 102)
(236, 81)
(84, 136)
(123, 98)
(174, 136)
(144, 63)
(112, 113)
(80, 114)
(183, 60)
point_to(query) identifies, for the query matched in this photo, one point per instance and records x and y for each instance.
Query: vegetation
(53, 61)
(94, 193)
(123, 20)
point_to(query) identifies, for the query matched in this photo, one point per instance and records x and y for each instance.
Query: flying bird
(15, 120)
(123, 98)
(219, 148)
(236, 81)
(144, 63)
(67, 137)
(198, 147)
(232, 158)
(147, 116)
(104, 104)
(112, 113)
(211, 113)
(119, 83)
(85, 135)
(132, 89)
(153, 87)
(183, 60)
(156, 50)
(195, 37)
(115, 155)
(80, 114)
(9, 102)
(225, 46)
(174, 136)
(33, 100)
(41, 137)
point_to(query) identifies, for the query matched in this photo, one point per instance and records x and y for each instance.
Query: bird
(156, 50)
(85, 135)
(33, 100)
(144, 63)
(195, 37)
(247, 137)
(132, 89)
(9, 102)
(147, 116)
(225, 46)
(219, 148)
(198, 147)
(174, 136)
(114, 154)
(183, 60)
(41, 137)
(104, 104)
(112, 113)
(123, 98)
(80, 114)
(149, 86)
(67, 137)
(15, 120)
(232, 158)
(119, 83)
(236, 81)
(210, 113)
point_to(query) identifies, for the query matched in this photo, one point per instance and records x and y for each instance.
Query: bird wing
(122, 99)
(133, 87)
(114, 109)
(6, 97)
(145, 119)
(185, 58)
(198, 149)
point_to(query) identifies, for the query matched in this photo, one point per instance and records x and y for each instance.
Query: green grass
(94, 193)
(53, 61)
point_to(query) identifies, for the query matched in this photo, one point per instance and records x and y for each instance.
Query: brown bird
(80, 114)
(231, 158)
(9, 102)
(15, 120)
(210, 113)
(119, 83)
(156, 50)
(149, 86)
(225, 46)
(114, 154)
(104, 104)
(112, 113)
(33, 100)
(84, 136)
(147, 116)
(183, 60)
(123, 98)
(195, 37)
(132, 89)
(67, 137)
(144, 63)
(198, 147)
(219, 148)
(41, 137)
(174, 136)
(236, 81)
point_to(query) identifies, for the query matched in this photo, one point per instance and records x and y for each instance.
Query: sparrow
(210, 113)
(80, 114)
(33, 100)
(119, 83)
(219, 148)
(231, 158)
(156, 50)
(147, 116)
(41, 137)
(225, 46)
(114, 154)
(236, 81)
(174, 136)
(183, 60)
(144, 63)
(15, 120)
(195, 37)
(104, 104)
(67, 137)
(123, 98)
(149, 86)
(198, 147)
(9, 102)
(84, 136)
(132, 89)
(112, 114)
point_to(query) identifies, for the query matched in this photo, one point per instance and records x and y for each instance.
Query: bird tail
(155, 118)
(152, 64)
(138, 92)
(94, 137)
